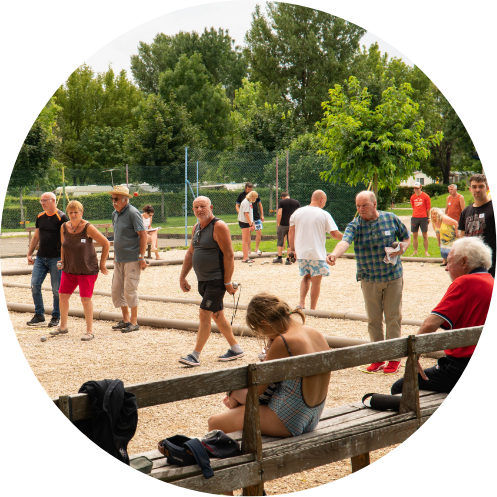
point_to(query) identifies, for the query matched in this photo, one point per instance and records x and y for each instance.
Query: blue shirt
(370, 239)
(126, 239)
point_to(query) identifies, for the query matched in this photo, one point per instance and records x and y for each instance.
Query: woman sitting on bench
(296, 405)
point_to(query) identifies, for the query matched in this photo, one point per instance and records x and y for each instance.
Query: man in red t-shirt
(455, 203)
(421, 205)
(464, 305)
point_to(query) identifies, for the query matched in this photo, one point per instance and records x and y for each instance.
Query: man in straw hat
(130, 243)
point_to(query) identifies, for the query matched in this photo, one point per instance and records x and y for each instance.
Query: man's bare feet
(427, 254)
(414, 253)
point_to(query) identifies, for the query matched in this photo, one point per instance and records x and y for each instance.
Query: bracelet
(142, 259)
(226, 284)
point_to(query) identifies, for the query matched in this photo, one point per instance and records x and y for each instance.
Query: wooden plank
(171, 473)
(337, 450)
(442, 340)
(224, 480)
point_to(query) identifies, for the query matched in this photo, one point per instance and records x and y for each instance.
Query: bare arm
(337, 235)
(143, 248)
(278, 216)
(340, 249)
(34, 242)
(100, 239)
(187, 266)
(463, 202)
(237, 205)
(262, 211)
(222, 236)
(291, 239)
(61, 243)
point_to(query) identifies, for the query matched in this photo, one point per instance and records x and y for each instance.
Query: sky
(232, 15)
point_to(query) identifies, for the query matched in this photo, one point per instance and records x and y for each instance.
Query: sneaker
(36, 319)
(54, 322)
(129, 327)
(120, 325)
(278, 260)
(288, 262)
(376, 367)
(231, 356)
(189, 360)
(392, 367)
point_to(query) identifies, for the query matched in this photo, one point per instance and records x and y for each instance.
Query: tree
(88, 101)
(299, 53)
(157, 146)
(188, 84)
(456, 146)
(383, 144)
(223, 60)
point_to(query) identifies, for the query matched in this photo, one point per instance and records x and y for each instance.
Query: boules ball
(135, 194)
(395, 245)
(43, 339)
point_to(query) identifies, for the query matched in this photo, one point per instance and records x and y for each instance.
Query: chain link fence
(171, 189)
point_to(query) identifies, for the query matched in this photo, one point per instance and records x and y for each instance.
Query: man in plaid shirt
(372, 231)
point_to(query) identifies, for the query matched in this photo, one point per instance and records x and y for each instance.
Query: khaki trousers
(125, 284)
(383, 298)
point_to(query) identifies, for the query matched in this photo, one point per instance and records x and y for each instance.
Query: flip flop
(87, 337)
(249, 261)
(58, 331)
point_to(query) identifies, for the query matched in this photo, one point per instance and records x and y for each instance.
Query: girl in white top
(246, 222)
(148, 212)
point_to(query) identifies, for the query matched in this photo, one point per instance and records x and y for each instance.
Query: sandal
(248, 261)
(87, 337)
(58, 331)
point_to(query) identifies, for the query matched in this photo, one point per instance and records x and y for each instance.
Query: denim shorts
(313, 267)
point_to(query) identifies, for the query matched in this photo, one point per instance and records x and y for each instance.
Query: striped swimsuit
(288, 403)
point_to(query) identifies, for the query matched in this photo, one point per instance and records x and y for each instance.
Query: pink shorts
(86, 282)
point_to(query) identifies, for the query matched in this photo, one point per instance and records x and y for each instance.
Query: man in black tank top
(213, 260)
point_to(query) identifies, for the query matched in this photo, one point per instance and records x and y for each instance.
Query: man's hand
(421, 371)
(30, 260)
(103, 269)
(230, 289)
(252, 227)
(143, 264)
(184, 285)
(262, 218)
(331, 259)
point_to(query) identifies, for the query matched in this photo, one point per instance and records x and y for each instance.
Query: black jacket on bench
(115, 416)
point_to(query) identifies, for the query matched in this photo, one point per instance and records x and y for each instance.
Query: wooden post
(359, 462)
(251, 437)
(162, 207)
(410, 389)
(65, 406)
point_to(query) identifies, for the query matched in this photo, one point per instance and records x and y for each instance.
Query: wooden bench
(349, 431)
(101, 227)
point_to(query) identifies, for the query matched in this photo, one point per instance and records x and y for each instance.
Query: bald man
(307, 236)
(213, 260)
(381, 282)
(47, 234)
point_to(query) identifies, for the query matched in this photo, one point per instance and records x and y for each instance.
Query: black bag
(381, 402)
(184, 451)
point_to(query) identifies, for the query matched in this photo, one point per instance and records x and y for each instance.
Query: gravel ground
(63, 364)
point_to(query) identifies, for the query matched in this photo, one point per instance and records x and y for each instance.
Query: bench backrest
(199, 385)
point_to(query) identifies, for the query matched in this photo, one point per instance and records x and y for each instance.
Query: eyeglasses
(42, 201)
(115, 199)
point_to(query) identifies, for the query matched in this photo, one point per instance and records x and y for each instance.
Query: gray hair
(478, 253)
(371, 195)
(454, 185)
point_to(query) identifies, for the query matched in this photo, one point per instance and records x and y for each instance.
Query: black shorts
(419, 222)
(243, 225)
(212, 293)
(282, 231)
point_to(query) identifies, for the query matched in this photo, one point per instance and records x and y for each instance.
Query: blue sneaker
(231, 356)
(190, 360)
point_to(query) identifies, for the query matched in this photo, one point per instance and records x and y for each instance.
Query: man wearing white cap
(421, 205)
(130, 243)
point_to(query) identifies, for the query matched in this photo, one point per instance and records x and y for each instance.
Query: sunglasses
(114, 199)
(196, 236)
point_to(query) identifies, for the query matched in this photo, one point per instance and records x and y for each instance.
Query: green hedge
(11, 217)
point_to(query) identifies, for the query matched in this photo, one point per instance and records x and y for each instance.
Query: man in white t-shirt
(307, 235)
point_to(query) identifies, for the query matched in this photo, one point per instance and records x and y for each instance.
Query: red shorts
(86, 282)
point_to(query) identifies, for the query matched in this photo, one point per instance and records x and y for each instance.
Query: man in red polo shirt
(464, 305)
(421, 205)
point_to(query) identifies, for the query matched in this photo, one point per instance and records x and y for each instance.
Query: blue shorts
(258, 225)
(313, 267)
